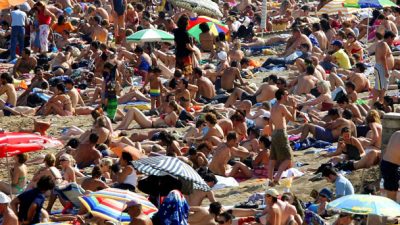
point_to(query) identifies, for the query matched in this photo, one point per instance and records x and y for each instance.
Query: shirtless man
(7, 87)
(389, 166)
(281, 151)
(305, 82)
(94, 183)
(345, 103)
(330, 131)
(357, 77)
(206, 90)
(320, 35)
(384, 64)
(229, 76)
(295, 41)
(223, 153)
(86, 154)
(273, 210)
(264, 93)
(236, 54)
(289, 213)
(196, 197)
(24, 64)
(60, 103)
(135, 211)
(76, 98)
(7, 214)
(202, 216)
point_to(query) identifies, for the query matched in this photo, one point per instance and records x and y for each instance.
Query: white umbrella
(201, 7)
(151, 35)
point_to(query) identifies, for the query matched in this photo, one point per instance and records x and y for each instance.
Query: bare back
(392, 150)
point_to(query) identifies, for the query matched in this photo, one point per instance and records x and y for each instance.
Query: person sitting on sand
(343, 186)
(344, 103)
(6, 213)
(94, 183)
(60, 103)
(165, 120)
(196, 197)
(7, 87)
(19, 174)
(230, 77)
(86, 154)
(212, 133)
(356, 76)
(262, 159)
(321, 103)
(36, 82)
(100, 128)
(201, 215)
(197, 157)
(127, 177)
(223, 153)
(24, 64)
(76, 99)
(305, 82)
(66, 163)
(206, 91)
(48, 170)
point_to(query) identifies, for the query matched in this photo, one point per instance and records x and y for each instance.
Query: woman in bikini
(48, 170)
(353, 46)
(18, 175)
(212, 133)
(60, 103)
(165, 120)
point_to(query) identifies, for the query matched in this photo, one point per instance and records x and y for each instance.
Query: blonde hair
(324, 85)
(50, 159)
(373, 117)
(106, 162)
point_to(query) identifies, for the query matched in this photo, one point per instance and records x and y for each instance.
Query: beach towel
(292, 172)
(139, 105)
(173, 211)
(70, 192)
(225, 182)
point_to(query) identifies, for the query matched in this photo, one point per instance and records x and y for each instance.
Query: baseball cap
(326, 192)
(222, 55)
(4, 199)
(273, 192)
(337, 43)
(130, 204)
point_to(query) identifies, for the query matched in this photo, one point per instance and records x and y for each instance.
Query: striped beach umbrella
(366, 204)
(106, 209)
(369, 3)
(126, 196)
(151, 35)
(166, 165)
(334, 6)
(215, 26)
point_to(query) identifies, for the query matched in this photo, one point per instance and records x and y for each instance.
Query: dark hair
(97, 19)
(389, 34)
(203, 145)
(22, 158)
(279, 94)
(73, 143)
(361, 66)
(306, 46)
(282, 81)
(221, 36)
(316, 26)
(244, 61)
(307, 31)
(182, 22)
(253, 130)
(198, 71)
(345, 130)
(45, 183)
(93, 138)
(211, 118)
(265, 140)
(343, 99)
(166, 137)
(231, 136)
(96, 172)
(27, 51)
(329, 171)
(126, 156)
(138, 49)
(95, 44)
(333, 112)
(234, 64)
(350, 84)
(204, 27)
(273, 78)
(227, 216)
(7, 77)
(296, 29)
(61, 20)
(215, 208)
(347, 114)
(61, 87)
(388, 100)
(325, 25)
(210, 177)
(310, 70)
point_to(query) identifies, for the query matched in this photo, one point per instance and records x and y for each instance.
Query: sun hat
(4, 199)
(266, 115)
(222, 55)
(273, 192)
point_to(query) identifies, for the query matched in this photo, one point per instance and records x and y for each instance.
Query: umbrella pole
(9, 176)
(367, 28)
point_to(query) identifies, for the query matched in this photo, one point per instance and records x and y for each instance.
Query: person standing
(7, 216)
(45, 18)
(184, 49)
(280, 148)
(119, 13)
(18, 19)
(384, 63)
(389, 166)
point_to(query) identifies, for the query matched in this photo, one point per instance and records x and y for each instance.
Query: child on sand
(155, 86)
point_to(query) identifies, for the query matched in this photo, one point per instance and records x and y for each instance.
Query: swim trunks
(119, 7)
(390, 174)
(5, 111)
(246, 96)
(280, 147)
(324, 134)
(154, 93)
(381, 82)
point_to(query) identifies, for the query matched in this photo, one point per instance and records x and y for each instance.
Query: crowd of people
(71, 58)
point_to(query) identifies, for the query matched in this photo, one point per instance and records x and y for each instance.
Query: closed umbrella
(126, 196)
(215, 26)
(366, 204)
(151, 35)
(166, 165)
(106, 209)
(201, 7)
